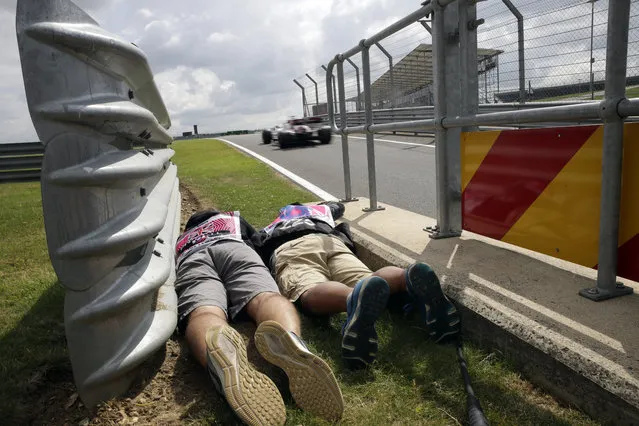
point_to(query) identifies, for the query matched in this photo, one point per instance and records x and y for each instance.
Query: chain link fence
(559, 37)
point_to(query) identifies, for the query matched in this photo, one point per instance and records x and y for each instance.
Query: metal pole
(426, 27)
(390, 70)
(348, 196)
(592, 25)
(468, 24)
(334, 106)
(335, 93)
(497, 59)
(485, 86)
(316, 92)
(520, 39)
(303, 96)
(359, 91)
(439, 74)
(370, 138)
(616, 63)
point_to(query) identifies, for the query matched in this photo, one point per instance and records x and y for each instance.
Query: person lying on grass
(314, 263)
(220, 276)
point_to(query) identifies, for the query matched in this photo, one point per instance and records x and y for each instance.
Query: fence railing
(111, 210)
(355, 119)
(456, 108)
(20, 162)
(563, 59)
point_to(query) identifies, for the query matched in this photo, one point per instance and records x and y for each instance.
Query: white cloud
(226, 65)
(220, 37)
(146, 13)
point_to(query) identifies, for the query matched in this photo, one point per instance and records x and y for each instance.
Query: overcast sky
(229, 64)
(219, 64)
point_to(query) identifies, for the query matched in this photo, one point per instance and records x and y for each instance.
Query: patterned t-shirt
(222, 226)
(292, 215)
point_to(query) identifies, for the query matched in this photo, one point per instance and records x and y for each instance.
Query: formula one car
(304, 130)
(269, 135)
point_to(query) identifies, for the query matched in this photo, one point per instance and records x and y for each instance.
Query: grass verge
(32, 343)
(414, 382)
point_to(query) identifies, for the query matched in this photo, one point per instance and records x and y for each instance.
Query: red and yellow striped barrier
(540, 189)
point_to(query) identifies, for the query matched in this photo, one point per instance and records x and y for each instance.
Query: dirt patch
(190, 204)
(170, 387)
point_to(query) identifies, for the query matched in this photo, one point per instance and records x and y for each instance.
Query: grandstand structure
(410, 81)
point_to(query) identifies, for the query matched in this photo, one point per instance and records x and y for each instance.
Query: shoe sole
(311, 381)
(427, 289)
(360, 333)
(250, 394)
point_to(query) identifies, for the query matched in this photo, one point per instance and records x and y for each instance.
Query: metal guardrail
(355, 120)
(111, 211)
(20, 162)
(454, 33)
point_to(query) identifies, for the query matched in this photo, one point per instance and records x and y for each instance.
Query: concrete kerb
(565, 366)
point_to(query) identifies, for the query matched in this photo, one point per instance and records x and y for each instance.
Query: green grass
(32, 343)
(414, 381)
(223, 178)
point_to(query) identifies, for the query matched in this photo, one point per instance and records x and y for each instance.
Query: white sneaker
(250, 394)
(312, 383)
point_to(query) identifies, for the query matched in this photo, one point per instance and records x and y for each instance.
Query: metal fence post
(359, 90)
(616, 63)
(592, 59)
(468, 24)
(390, 70)
(446, 71)
(303, 97)
(334, 89)
(316, 91)
(520, 40)
(348, 195)
(370, 137)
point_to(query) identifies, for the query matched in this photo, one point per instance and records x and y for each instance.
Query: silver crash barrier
(109, 191)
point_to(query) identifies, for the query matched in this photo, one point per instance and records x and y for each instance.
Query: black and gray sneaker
(429, 301)
(364, 306)
(251, 395)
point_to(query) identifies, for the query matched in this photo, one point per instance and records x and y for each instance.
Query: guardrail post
(334, 89)
(616, 63)
(390, 70)
(348, 195)
(446, 70)
(359, 90)
(370, 137)
(316, 91)
(303, 97)
(468, 24)
(520, 42)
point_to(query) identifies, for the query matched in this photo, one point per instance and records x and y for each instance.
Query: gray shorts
(226, 275)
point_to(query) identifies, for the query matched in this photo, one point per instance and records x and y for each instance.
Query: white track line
(397, 142)
(452, 256)
(289, 174)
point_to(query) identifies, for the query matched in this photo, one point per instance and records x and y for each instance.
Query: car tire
(283, 140)
(267, 137)
(324, 136)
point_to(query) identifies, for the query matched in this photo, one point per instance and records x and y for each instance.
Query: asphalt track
(405, 167)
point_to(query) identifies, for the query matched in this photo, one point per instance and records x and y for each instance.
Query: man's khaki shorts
(313, 259)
